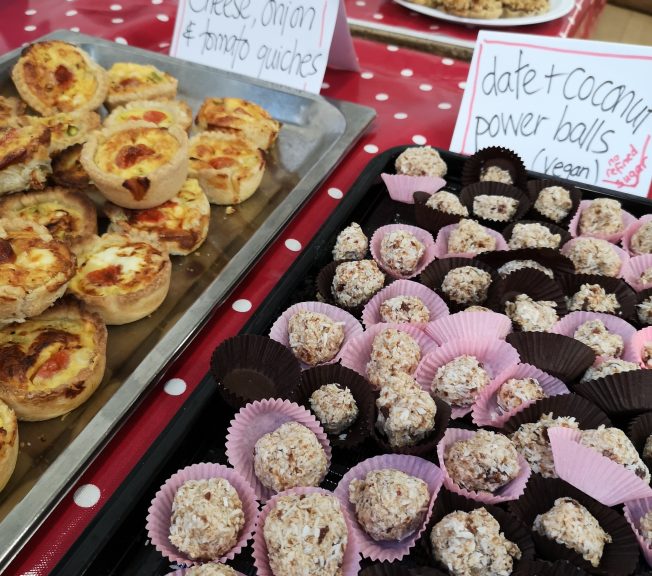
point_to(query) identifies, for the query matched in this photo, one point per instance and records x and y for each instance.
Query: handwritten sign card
(282, 41)
(571, 108)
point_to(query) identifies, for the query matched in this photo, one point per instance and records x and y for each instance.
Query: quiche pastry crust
(8, 443)
(163, 113)
(66, 128)
(10, 109)
(24, 158)
(129, 81)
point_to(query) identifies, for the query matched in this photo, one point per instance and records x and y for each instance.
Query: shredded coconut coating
(356, 282)
(401, 251)
(406, 412)
(515, 391)
(335, 407)
(531, 441)
(646, 276)
(459, 381)
(571, 524)
(608, 367)
(466, 285)
(314, 337)
(288, 457)
(351, 244)
(614, 444)
(514, 265)
(646, 354)
(594, 256)
(477, 309)
(593, 298)
(641, 241)
(470, 237)
(644, 311)
(404, 310)
(602, 216)
(647, 449)
(595, 335)
(495, 207)
(448, 203)
(306, 535)
(210, 569)
(486, 461)
(421, 161)
(554, 202)
(389, 504)
(532, 315)
(533, 236)
(392, 351)
(207, 517)
(471, 544)
(646, 526)
(495, 174)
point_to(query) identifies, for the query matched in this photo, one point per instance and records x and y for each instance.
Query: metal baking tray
(115, 543)
(316, 133)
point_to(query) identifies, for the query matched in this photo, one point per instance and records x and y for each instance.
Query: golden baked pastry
(123, 277)
(517, 8)
(180, 224)
(67, 169)
(68, 215)
(137, 164)
(55, 76)
(163, 113)
(10, 109)
(66, 128)
(240, 118)
(24, 158)
(129, 81)
(229, 169)
(34, 269)
(53, 362)
(8, 443)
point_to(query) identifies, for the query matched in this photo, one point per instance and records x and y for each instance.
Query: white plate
(558, 9)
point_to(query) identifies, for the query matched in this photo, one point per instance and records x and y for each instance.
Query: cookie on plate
(129, 81)
(24, 158)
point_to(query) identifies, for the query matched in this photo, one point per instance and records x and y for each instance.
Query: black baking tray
(115, 543)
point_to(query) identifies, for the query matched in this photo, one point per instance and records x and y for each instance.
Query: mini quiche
(129, 82)
(229, 169)
(53, 362)
(34, 269)
(163, 113)
(66, 128)
(180, 224)
(68, 215)
(239, 117)
(8, 443)
(10, 109)
(123, 277)
(67, 169)
(137, 164)
(24, 158)
(55, 76)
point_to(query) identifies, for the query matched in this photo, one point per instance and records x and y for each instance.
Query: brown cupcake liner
(495, 156)
(433, 276)
(250, 367)
(430, 219)
(542, 568)
(563, 233)
(398, 569)
(638, 431)
(624, 394)
(561, 356)
(535, 186)
(619, 557)
(468, 194)
(362, 392)
(528, 281)
(571, 283)
(587, 414)
(641, 297)
(548, 257)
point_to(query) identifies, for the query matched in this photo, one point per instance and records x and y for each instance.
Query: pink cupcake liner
(634, 511)
(257, 419)
(422, 235)
(441, 243)
(571, 322)
(631, 230)
(160, 511)
(486, 411)
(356, 353)
(573, 226)
(622, 254)
(469, 325)
(411, 465)
(593, 473)
(351, 560)
(436, 306)
(279, 330)
(184, 571)
(636, 344)
(495, 355)
(632, 271)
(511, 491)
(401, 187)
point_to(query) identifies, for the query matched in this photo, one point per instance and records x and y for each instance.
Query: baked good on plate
(24, 158)
(163, 113)
(129, 81)
(8, 443)
(66, 128)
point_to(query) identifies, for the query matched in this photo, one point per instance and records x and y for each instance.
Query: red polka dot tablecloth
(416, 96)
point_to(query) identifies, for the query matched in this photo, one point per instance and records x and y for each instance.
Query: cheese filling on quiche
(61, 221)
(66, 128)
(227, 155)
(129, 78)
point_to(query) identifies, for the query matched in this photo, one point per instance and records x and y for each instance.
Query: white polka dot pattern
(400, 115)
(335, 193)
(418, 139)
(382, 97)
(175, 387)
(371, 148)
(293, 245)
(87, 495)
(242, 305)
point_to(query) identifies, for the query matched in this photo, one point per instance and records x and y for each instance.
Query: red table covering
(416, 95)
